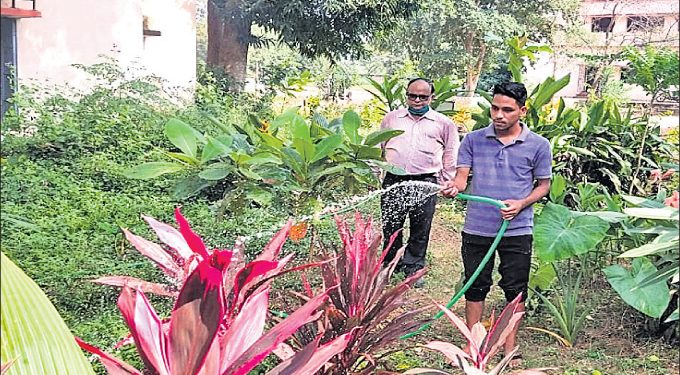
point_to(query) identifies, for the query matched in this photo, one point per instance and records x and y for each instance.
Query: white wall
(78, 31)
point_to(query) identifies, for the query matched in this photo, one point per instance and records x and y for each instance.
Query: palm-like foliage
(362, 304)
(482, 345)
(217, 323)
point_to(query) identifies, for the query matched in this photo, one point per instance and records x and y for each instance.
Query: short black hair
(514, 90)
(429, 82)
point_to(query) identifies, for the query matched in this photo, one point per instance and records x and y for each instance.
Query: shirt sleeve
(543, 162)
(465, 152)
(451, 145)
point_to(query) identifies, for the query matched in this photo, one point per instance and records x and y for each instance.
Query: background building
(42, 40)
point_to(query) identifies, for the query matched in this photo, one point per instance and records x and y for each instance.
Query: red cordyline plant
(482, 345)
(217, 324)
(362, 305)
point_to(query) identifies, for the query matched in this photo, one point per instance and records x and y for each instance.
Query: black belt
(423, 176)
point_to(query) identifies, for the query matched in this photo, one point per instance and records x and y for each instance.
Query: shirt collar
(489, 132)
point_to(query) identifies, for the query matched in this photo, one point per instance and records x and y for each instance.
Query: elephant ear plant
(217, 323)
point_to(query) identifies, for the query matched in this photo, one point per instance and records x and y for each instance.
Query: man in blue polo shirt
(514, 165)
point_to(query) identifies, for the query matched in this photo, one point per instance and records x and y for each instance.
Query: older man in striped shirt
(427, 151)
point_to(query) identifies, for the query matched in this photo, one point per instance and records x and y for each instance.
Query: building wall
(592, 43)
(78, 31)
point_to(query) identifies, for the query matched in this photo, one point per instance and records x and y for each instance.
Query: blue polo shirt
(502, 172)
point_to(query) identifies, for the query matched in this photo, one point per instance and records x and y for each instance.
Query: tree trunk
(474, 70)
(228, 35)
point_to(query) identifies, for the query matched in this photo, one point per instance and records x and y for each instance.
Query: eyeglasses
(416, 96)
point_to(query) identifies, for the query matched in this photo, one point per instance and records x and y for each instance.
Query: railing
(14, 3)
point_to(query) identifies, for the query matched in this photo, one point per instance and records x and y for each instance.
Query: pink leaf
(170, 236)
(135, 283)
(246, 328)
(254, 270)
(323, 354)
(146, 328)
(462, 327)
(6, 366)
(311, 358)
(156, 253)
(273, 248)
(451, 351)
(197, 315)
(113, 365)
(502, 322)
(265, 344)
(195, 242)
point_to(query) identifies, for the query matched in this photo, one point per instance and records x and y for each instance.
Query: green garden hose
(479, 269)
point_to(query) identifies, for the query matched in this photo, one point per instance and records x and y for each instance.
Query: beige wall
(595, 42)
(78, 31)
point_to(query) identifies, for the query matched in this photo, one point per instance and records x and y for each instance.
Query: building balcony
(19, 9)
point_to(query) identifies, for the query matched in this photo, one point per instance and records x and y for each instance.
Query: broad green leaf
(580, 150)
(262, 158)
(651, 300)
(305, 148)
(216, 171)
(272, 141)
(390, 168)
(260, 196)
(608, 216)
(666, 213)
(350, 123)
(560, 235)
(380, 136)
(189, 187)
(284, 118)
(549, 88)
(216, 148)
(182, 158)
(326, 147)
(182, 136)
(557, 187)
(365, 152)
(642, 202)
(33, 333)
(249, 173)
(650, 248)
(542, 277)
(299, 129)
(153, 169)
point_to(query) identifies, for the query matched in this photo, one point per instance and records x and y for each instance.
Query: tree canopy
(467, 35)
(330, 28)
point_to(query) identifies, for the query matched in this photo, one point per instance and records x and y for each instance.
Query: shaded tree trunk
(228, 35)
(473, 69)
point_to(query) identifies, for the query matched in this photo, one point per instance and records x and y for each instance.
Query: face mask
(418, 112)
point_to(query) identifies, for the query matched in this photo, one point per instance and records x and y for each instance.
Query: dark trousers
(404, 201)
(514, 267)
